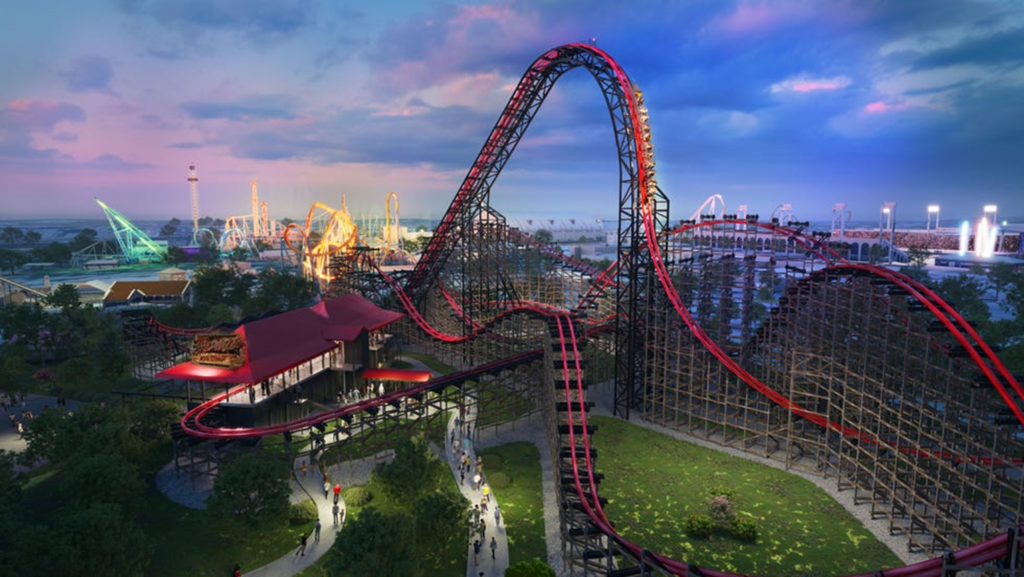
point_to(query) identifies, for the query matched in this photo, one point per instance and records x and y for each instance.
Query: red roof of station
(404, 375)
(281, 342)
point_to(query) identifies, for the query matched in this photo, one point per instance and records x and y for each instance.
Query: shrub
(302, 513)
(498, 480)
(721, 509)
(358, 496)
(698, 525)
(720, 490)
(745, 529)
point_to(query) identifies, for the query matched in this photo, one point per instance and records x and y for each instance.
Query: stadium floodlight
(933, 214)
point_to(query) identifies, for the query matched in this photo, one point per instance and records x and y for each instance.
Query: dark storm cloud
(89, 73)
(1003, 48)
(253, 107)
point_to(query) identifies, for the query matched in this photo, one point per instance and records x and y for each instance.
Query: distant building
(172, 274)
(152, 292)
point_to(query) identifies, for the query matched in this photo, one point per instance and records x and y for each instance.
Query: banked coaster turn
(666, 287)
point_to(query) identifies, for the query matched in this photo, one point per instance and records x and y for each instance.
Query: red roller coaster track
(502, 139)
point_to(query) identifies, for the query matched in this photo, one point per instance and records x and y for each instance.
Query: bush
(698, 525)
(302, 513)
(721, 509)
(745, 529)
(498, 480)
(720, 490)
(358, 496)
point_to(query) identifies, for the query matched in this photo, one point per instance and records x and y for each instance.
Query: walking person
(497, 515)
(327, 488)
(316, 531)
(494, 548)
(335, 510)
(483, 529)
(302, 546)
(337, 492)
(237, 571)
(476, 552)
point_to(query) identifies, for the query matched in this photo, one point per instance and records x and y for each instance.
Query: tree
(56, 252)
(65, 297)
(544, 236)
(441, 518)
(278, 291)
(170, 228)
(252, 489)
(176, 255)
(11, 235)
(12, 259)
(1003, 276)
(28, 325)
(535, 568)
(375, 543)
(83, 239)
(414, 472)
(98, 540)
(964, 293)
(33, 237)
(877, 253)
(105, 477)
(918, 257)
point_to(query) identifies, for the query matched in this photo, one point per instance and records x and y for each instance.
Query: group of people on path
(473, 467)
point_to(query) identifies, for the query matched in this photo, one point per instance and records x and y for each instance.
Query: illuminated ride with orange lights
(327, 233)
(666, 300)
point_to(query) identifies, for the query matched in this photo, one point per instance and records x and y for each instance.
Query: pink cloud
(38, 115)
(806, 84)
(752, 16)
(879, 107)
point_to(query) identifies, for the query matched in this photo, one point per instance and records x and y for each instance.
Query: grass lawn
(653, 482)
(455, 557)
(431, 362)
(522, 505)
(185, 542)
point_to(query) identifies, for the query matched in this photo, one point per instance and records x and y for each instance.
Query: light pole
(933, 209)
(887, 221)
(993, 224)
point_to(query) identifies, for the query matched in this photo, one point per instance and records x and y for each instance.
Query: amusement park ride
(751, 335)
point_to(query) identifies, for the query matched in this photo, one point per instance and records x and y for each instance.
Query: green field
(521, 501)
(653, 482)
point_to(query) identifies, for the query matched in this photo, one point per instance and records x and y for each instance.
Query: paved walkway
(487, 562)
(10, 440)
(309, 486)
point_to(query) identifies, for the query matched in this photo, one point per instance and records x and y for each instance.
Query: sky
(810, 103)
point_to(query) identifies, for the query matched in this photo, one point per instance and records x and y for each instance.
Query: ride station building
(278, 368)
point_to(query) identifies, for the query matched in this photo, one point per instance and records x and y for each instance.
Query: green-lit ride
(135, 244)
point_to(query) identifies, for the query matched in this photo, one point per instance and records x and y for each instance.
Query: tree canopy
(252, 489)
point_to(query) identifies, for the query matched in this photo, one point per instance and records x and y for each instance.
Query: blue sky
(801, 102)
